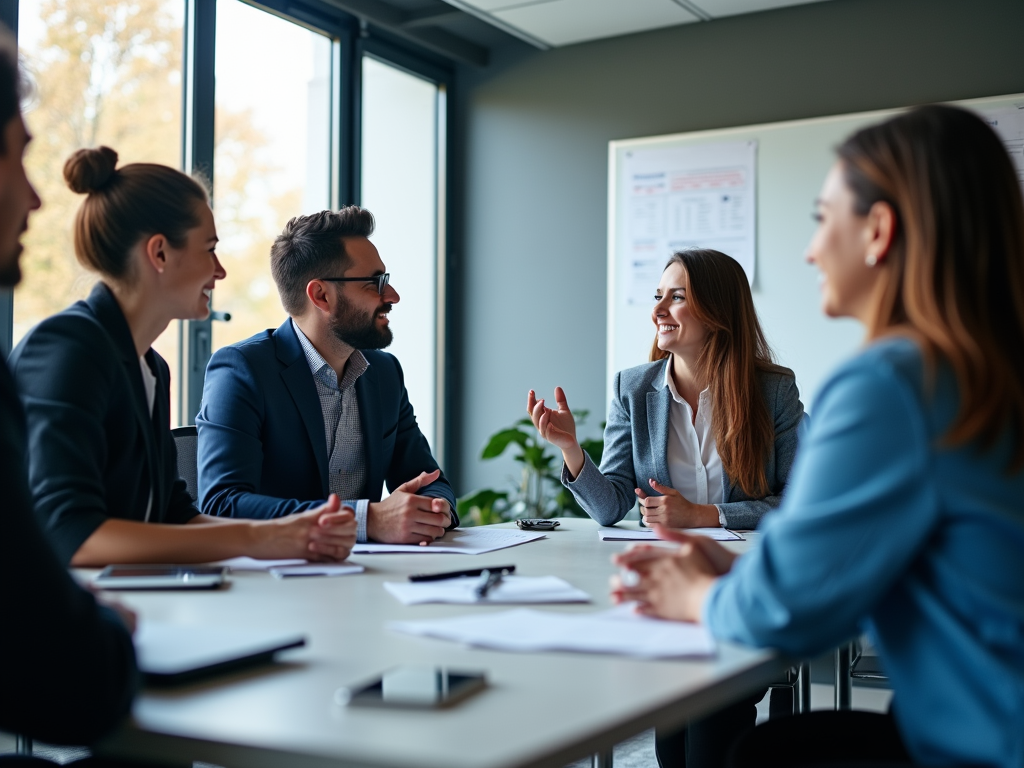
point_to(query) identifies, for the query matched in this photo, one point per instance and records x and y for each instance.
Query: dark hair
(734, 352)
(127, 204)
(12, 85)
(956, 263)
(312, 247)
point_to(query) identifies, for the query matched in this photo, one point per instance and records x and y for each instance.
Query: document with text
(461, 541)
(618, 631)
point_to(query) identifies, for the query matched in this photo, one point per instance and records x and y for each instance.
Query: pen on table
(488, 581)
(505, 569)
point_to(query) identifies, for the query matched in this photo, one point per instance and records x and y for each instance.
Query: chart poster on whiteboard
(1008, 122)
(694, 196)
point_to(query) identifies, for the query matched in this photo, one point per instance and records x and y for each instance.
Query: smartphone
(161, 577)
(413, 687)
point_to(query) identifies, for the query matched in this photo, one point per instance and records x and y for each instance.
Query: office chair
(186, 440)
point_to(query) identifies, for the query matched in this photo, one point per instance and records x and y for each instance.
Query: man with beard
(314, 407)
(68, 664)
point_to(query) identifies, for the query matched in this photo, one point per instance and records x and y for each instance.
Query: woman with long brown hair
(703, 436)
(705, 433)
(904, 513)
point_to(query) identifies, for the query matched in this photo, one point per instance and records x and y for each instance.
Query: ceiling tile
(718, 8)
(502, 5)
(561, 22)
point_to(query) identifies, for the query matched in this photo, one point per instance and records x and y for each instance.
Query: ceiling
(552, 23)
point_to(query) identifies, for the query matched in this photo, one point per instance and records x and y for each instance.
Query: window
(103, 73)
(268, 104)
(400, 180)
(272, 153)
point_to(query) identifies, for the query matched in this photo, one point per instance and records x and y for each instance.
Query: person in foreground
(314, 407)
(103, 467)
(68, 664)
(705, 433)
(904, 515)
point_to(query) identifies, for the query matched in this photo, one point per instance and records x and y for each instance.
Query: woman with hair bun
(102, 462)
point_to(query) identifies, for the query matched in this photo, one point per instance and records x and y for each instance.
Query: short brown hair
(311, 247)
(12, 84)
(125, 205)
(956, 262)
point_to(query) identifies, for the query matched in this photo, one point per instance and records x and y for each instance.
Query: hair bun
(89, 170)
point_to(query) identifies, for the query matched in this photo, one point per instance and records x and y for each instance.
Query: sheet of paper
(251, 564)
(1008, 122)
(692, 196)
(316, 569)
(512, 589)
(618, 631)
(461, 541)
(609, 533)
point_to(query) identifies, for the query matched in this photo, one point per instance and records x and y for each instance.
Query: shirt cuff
(361, 506)
(721, 516)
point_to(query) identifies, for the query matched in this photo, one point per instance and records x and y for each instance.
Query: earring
(871, 260)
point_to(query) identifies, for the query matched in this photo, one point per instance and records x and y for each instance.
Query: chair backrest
(186, 440)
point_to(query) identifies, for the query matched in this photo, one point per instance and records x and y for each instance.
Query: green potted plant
(539, 491)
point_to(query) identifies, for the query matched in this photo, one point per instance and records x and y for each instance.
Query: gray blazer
(636, 446)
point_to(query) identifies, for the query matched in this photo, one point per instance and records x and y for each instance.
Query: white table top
(539, 709)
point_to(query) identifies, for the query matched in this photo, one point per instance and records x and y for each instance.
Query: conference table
(539, 709)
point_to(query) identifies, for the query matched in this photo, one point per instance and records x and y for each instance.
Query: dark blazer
(67, 665)
(94, 450)
(636, 447)
(262, 450)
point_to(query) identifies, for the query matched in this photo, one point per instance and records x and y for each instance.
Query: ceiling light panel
(562, 22)
(719, 8)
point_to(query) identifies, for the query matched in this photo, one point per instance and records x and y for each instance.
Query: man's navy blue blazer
(262, 447)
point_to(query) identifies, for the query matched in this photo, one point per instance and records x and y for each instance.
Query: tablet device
(172, 654)
(413, 686)
(161, 577)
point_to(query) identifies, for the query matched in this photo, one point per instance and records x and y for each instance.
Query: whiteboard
(792, 161)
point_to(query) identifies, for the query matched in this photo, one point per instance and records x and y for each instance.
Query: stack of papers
(618, 631)
(512, 589)
(293, 567)
(461, 541)
(608, 533)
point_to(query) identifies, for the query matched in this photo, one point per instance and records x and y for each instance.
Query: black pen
(505, 569)
(488, 581)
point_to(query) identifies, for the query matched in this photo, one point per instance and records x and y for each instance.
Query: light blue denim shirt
(886, 528)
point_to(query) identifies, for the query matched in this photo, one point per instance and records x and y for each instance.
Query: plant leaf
(501, 440)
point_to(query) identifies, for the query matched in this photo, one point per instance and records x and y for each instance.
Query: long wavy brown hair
(734, 352)
(956, 263)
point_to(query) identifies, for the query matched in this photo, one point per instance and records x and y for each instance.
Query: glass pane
(399, 185)
(272, 153)
(104, 73)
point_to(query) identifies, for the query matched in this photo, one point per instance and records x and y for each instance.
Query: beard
(10, 272)
(359, 330)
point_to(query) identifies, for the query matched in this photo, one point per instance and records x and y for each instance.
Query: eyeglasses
(380, 280)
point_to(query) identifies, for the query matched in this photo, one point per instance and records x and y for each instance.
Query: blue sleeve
(858, 510)
(412, 453)
(230, 445)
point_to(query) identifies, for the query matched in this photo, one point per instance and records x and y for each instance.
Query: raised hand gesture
(558, 427)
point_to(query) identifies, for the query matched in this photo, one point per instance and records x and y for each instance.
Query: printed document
(618, 631)
(512, 589)
(610, 533)
(461, 541)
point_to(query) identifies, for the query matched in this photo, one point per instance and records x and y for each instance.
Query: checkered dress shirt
(342, 428)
